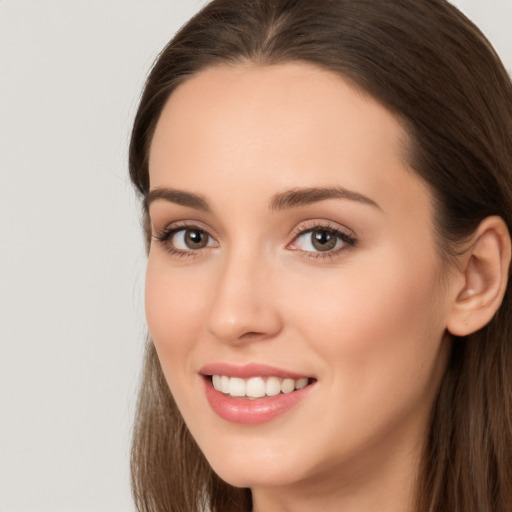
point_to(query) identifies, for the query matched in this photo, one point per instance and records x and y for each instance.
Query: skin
(368, 321)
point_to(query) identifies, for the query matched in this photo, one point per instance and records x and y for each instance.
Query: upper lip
(249, 370)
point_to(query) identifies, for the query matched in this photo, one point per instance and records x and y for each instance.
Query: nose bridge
(243, 307)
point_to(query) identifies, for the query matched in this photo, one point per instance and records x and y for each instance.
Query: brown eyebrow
(289, 199)
(304, 196)
(178, 197)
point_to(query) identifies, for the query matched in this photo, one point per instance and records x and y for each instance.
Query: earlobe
(484, 267)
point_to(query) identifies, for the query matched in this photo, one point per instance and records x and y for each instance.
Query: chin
(244, 468)
(254, 475)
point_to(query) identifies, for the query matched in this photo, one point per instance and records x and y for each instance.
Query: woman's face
(293, 246)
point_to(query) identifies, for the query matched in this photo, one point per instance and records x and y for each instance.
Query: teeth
(273, 386)
(224, 384)
(236, 387)
(301, 383)
(256, 387)
(288, 385)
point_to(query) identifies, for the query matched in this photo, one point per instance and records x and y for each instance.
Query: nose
(244, 307)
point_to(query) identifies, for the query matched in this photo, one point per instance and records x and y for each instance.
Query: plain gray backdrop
(71, 255)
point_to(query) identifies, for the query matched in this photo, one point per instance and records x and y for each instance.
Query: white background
(71, 258)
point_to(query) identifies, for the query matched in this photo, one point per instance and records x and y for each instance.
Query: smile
(257, 387)
(254, 393)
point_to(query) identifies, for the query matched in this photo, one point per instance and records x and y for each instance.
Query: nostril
(251, 335)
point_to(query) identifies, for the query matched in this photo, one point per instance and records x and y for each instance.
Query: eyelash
(167, 233)
(348, 239)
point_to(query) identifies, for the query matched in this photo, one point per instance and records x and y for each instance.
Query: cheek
(375, 319)
(377, 338)
(173, 309)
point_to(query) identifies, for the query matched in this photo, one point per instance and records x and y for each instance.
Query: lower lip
(252, 411)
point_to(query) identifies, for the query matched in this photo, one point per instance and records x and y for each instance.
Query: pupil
(195, 239)
(323, 240)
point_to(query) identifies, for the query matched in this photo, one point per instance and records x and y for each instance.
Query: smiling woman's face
(293, 246)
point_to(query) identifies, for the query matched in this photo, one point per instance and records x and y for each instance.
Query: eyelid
(328, 225)
(174, 226)
(163, 235)
(347, 235)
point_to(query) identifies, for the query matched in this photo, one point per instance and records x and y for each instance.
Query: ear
(483, 269)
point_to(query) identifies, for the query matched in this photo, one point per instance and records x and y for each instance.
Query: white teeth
(288, 385)
(224, 384)
(236, 386)
(301, 383)
(273, 386)
(256, 387)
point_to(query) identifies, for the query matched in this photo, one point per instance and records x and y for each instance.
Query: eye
(322, 239)
(318, 240)
(183, 240)
(190, 239)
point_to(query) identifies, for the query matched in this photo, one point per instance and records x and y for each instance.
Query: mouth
(253, 394)
(257, 387)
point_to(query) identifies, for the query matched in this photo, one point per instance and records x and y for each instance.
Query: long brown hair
(437, 73)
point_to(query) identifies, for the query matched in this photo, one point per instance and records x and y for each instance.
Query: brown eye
(191, 239)
(323, 240)
(195, 239)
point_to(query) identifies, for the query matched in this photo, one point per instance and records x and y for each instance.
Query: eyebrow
(178, 197)
(304, 196)
(282, 201)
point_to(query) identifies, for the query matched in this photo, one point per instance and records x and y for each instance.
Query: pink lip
(249, 370)
(250, 411)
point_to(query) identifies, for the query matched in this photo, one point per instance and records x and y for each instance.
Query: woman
(327, 198)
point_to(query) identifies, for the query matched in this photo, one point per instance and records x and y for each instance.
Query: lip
(249, 370)
(252, 411)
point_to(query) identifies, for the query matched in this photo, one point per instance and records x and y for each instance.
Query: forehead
(286, 125)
